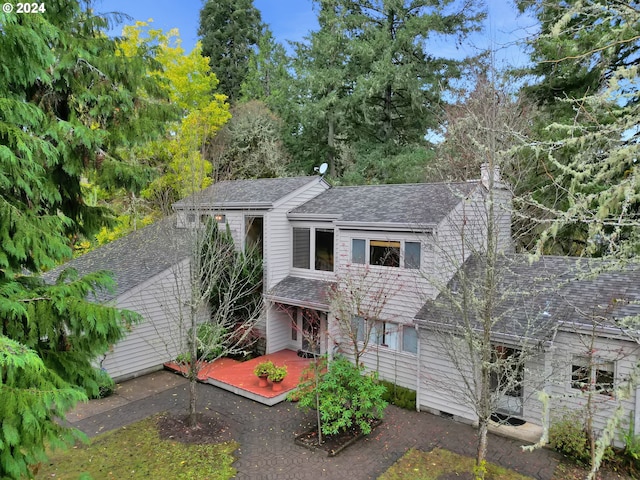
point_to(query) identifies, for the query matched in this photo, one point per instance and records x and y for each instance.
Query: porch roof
(535, 299)
(301, 292)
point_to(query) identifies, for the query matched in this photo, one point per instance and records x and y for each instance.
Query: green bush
(399, 396)
(631, 450)
(569, 437)
(106, 385)
(347, 397)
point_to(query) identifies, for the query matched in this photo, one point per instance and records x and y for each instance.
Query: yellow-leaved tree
(192, 88)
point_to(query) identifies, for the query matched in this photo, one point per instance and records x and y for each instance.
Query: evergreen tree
(398, 83)
(230, 31)
(582, 49)
(268, 79)
(67, 99)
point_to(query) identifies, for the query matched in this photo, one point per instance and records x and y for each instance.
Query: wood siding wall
(161, 334)
(567, 346)
(278, 233)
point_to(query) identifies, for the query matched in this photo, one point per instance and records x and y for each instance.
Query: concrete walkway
(265, 434)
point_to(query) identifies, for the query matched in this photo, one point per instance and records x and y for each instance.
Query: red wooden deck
(238, 377)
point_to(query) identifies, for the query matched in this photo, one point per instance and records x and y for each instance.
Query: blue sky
(293, 19)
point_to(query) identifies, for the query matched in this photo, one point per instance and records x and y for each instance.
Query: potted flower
(262, 371)
(276, 376)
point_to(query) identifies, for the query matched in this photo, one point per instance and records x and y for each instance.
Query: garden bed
(332, 444)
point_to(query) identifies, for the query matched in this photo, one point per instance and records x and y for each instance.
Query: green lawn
(137, 452)
(417, 465)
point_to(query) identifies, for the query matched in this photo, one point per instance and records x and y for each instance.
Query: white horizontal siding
(624, 354)
(161, 334)
(279, 331)
(278, 231)
(442, 387)
(394, 366)
(401, 291)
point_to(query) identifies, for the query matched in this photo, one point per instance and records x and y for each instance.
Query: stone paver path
(266, 435)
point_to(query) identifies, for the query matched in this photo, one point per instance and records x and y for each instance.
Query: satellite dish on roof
(322, 169)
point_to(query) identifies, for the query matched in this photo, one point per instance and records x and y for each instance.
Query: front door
(506, 380)
(311, 330)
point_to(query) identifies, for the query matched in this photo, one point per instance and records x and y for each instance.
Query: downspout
(418, 371)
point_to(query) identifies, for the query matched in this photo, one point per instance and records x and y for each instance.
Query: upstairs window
(301, 246)
(386, 253)
(412, 255)
(313, 248)
(324, 250)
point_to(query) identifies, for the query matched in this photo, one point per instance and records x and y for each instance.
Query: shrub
(399, 396)
(569, 437)
(106, 385)
(347, 397)
(632, 446)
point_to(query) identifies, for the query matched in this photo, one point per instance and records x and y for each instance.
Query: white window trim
(398, 332)
(312, 247)
(595, 361)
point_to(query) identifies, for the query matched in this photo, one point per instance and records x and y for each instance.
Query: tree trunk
(193, 419)
(331, 143)
(483, 428)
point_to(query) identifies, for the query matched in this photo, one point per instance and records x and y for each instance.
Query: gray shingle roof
(413, 204)
(261, 191)
(301, 292)
(134, 258)
(537, 298)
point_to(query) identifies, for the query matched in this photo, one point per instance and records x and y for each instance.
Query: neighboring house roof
(260, 193)
(419, 204)
(133, 259)
(302, 292)
(536, 298)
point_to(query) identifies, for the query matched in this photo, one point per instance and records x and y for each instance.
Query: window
(313, 250)
(412, 255)
(386, 253)
(253, 233)
(391, 335)
(324, 250)
(508, 372)
(385, 334)
(592, 374)
(191, 217)
(220, 217)
(204, 218)
(358, 248)
(301, 246)
(409, 339)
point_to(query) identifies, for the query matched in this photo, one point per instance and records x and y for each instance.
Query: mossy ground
(441, 464)
(137, 452)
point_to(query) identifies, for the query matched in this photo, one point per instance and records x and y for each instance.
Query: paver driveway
(265, 434)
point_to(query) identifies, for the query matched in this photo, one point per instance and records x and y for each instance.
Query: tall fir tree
(371, 86)
(230, 31)
(67, 99)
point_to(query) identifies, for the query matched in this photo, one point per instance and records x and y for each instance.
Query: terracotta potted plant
(276, 376)
(262, 371)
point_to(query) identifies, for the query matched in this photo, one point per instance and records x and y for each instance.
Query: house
(567, 314)
(375, 271)
(144, 265)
